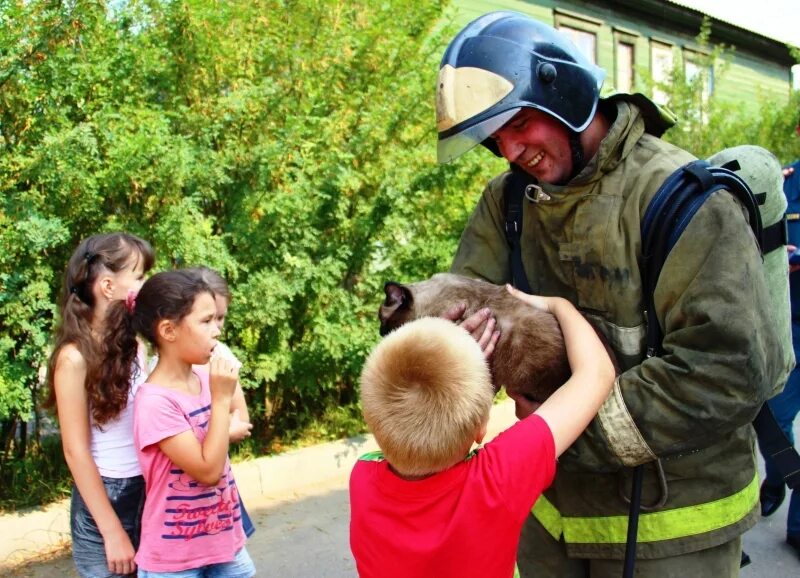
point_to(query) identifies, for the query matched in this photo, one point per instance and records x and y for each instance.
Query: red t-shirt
(462, 522)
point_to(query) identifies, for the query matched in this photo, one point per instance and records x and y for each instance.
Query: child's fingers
(486, 336)
(476, 320)
(455, 312)
(533, 300)
(224, 366)
(224, 374)
(489, 349)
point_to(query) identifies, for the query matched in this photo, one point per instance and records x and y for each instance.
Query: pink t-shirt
(185, 524)
(463, 522)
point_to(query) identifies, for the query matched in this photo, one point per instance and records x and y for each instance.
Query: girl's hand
(223, 376)
(238, 430)
(119, 552)
(536, 301)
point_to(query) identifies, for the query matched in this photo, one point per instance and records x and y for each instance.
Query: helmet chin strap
(578, 157)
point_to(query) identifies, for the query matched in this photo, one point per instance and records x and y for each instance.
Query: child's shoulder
(70, 357)
(521, 433)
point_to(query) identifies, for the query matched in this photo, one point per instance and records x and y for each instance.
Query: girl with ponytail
(192, 520)
(95, 413)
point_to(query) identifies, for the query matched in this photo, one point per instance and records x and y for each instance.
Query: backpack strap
(513, 200)
(665, 219)
(669, 213)
(774, 443)
(776, 236)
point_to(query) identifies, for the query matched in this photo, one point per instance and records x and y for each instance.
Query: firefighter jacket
(685, 415)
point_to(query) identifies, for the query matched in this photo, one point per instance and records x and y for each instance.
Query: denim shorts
(127, 498)
(241, 567)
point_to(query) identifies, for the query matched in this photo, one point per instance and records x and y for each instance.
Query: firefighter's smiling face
(538, 144)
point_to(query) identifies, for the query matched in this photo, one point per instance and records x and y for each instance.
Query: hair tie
(130, 301)
(73, 290)
(88, 255)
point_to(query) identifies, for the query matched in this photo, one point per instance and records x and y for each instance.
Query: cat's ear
(398, 299)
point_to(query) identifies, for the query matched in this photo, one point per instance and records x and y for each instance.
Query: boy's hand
(223, 377)
(536, 301)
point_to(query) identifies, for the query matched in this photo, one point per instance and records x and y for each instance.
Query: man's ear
(165, 330)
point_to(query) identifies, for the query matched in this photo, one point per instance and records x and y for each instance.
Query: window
(696, 68)
(624, 67)
(585, 41)
(580, 29)
(661, 61)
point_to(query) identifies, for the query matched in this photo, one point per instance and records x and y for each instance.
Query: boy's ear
(482, 433)
(165, 330)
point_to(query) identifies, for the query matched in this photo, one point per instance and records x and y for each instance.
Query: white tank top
(112, 447)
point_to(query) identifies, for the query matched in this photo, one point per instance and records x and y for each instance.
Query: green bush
(288, 143)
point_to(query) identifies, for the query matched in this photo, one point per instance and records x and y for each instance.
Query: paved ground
(305, 534)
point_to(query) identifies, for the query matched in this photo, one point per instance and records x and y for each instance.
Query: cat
(529, 360)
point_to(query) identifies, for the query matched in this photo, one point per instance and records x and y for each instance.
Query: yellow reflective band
(653, 527)
(548, 517)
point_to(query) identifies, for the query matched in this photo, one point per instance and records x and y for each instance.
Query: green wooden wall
(746, 78)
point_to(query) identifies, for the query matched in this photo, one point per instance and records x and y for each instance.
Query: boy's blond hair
(426, 391)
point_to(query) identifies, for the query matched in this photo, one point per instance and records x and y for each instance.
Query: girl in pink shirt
(191, 526)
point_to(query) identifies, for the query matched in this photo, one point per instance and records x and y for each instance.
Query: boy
(420, 508)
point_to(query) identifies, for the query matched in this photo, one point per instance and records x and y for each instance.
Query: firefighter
(588, 167)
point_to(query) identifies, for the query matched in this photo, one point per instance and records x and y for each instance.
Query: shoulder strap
(668, 215)
(513, 199)
(773, 442)
(665, 219)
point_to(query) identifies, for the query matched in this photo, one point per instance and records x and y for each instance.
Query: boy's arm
(570, 409)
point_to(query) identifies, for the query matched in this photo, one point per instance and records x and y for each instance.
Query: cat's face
(397, 308)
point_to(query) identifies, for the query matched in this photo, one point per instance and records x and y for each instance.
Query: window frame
(580, 23)
(623, 36)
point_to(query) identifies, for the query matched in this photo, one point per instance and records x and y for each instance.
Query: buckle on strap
(535, 194)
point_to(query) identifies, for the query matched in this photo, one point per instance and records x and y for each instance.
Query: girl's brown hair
(216, 281)
(111, 252)
(166, 295)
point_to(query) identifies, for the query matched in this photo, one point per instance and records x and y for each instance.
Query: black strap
(775, 236)
(669, 212)
(514, 197)
(775, 444)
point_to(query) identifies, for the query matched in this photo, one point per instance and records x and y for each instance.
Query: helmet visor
(453, 146)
